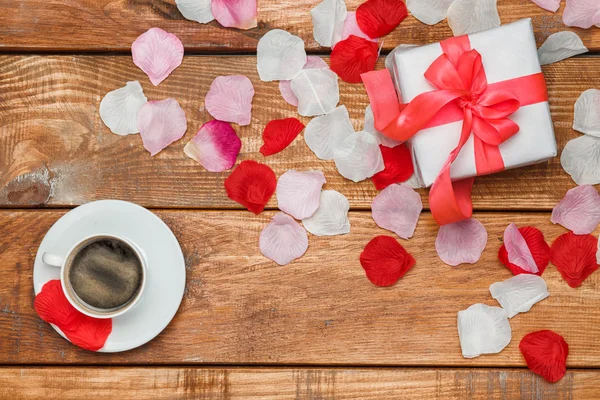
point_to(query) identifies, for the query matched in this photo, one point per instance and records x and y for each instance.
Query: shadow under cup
(104, 276)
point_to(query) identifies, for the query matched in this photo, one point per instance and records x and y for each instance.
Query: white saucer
(166, 267)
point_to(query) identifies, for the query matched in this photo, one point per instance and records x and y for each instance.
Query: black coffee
(106, 273)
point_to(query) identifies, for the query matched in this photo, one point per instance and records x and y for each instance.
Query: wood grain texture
(240, 308)
(112, 25)
(291, 383)
(55, 150)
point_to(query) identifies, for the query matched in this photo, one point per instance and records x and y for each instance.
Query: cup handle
(53, 260)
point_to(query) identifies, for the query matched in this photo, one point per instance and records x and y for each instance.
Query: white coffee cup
(65, 263)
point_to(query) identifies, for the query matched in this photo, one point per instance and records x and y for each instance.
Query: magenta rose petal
(215, 146)
(239, 14)
(157, 53)
(518, 249)
(161, 123)
(283, 239)
(230, 99)
(461, 242)
(397, 208)
(579, 210)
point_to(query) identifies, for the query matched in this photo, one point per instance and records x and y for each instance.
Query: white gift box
(507, 52)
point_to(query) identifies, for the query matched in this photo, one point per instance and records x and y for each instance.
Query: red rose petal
(377, 18)
(398, 166)
(574, 257)
(352, 57)
(53, 307)
(385, 261)
(538, 247)
(278, 135)
(251, 184)
(546, 354)
(91, 333)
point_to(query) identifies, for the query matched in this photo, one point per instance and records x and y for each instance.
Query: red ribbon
(463, 94)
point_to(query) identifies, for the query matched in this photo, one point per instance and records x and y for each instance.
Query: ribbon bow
(463, 93)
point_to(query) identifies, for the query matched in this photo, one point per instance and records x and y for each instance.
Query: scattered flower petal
(519, 293)
(370, 127)
(398, 166)
(280, 56)
(52, 306)
(119, 108)
(587, 113)
(215, 146)
(239, 14)
(483, 330)
(461, 242)
(351, 28)
(325, 133)
(377, 18)
(517, 249)
(278, 135)
(470, 16)
(317, 91)
(582, 13)
(550, 5)
(157, 53)
(385, 261)
(358, 157)
(539, 249)
(299, 193)
(283, 240)
(328, 21)
(546, 354)
(251, 184)
(230, 99)
(413, 182)
(196, 10)
(581, 159)
(352, 57)
(575, 257)
(397, 208)
(331, 218)
(598, 253)
(579, 210)
(429, 12)
(559, 46)
(161, 123)
(285, 87)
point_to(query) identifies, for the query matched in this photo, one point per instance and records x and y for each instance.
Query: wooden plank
(108, 25)
(291, 383)
(240, 308)
(54, 149)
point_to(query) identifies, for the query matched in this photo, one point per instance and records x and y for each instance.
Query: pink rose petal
(397, 208)
(157, 53)
(518, 250)
(239, 14)
(230, 99)
(550, 5)
(283, 240)
(351, 28)
(215, 146)
(160, 124)
(579, 210)
(299, 193)
(582, 13)
(461, 242)
(285, 87)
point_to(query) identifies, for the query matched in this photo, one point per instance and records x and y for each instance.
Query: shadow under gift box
(508, 52)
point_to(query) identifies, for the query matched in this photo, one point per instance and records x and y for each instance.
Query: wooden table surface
(247, 328)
